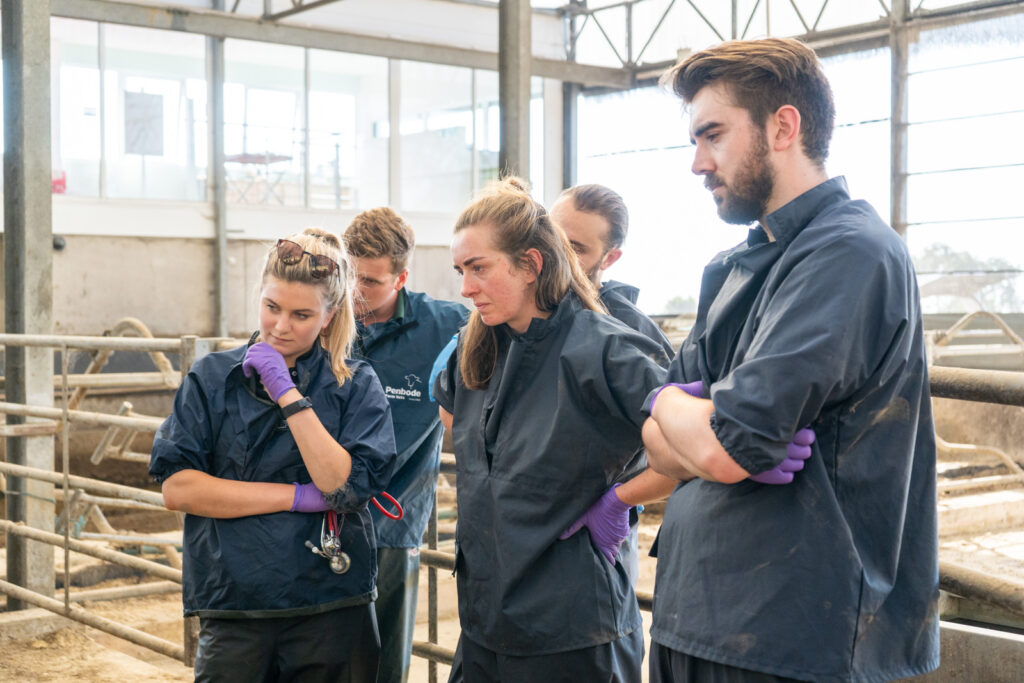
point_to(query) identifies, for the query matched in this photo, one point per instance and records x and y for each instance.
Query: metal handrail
(983, 386)
(91, 343)
(83, 616)
(84, 417)
(123, 559)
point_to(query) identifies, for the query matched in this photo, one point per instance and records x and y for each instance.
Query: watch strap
(296, 406)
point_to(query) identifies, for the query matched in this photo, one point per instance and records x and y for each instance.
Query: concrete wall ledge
(972, 653)
(30, 624)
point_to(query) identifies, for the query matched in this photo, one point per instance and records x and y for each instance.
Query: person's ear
(402, 277)
(784, 128)
(610, 257)
(328, 319)
(536, 262)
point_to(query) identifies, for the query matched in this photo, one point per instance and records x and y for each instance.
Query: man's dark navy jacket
(402, 351)
(833, 577)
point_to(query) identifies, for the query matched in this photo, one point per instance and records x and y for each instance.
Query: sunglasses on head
(290, 253)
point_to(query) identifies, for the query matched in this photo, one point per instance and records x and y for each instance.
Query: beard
(745, 200)
(594, 274)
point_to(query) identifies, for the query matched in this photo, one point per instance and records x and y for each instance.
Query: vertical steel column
(306, 164)
(570, 93)
(629, 36)
(514, 58)
(432, 589)
(190, 628)
(570, 134)
(474, 163)
(217, 176)
(394, 133)
(552, 161)
(28, 277)
(899, 52)
(101, 64)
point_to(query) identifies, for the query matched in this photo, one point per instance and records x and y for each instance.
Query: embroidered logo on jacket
(410, 393)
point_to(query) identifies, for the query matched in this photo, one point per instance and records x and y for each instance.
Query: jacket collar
(306, 367)
(542, 327)
(789, 220)
(627, 292)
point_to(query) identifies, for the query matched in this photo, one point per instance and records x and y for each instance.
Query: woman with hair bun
(543, 398)
(272, 450)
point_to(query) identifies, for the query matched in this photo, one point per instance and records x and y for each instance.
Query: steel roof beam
(227, 25)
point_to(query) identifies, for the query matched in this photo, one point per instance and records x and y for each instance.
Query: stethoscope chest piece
(330, 542)
(340, 563)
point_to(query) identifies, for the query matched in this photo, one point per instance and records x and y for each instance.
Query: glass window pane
(966, 266)
(860, 86)
(861, 138)
(348, 107)
(967, 232)
(973, 84)
(537, 138)
(488, 126)
(437, 137)
(964, 143)
(264, 129)
(488, 130)
(682, 28)
(152, 119)
(602, 38)
(965, 195)
(970, 43)
(674, 229)
(75, 110)
(861, 154)
(954, 69)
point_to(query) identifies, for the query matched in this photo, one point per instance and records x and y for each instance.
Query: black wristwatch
(296, 406)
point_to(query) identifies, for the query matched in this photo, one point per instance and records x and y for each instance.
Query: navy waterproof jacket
(558, 424)
(833, 577)
(225, 425)
(620, 300)
(402, 351)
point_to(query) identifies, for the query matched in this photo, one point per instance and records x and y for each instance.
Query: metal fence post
(432, 589)
(191, 632)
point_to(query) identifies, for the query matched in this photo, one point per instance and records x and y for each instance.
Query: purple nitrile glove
(695, 389)
(608, 523)
(269, 364)
(308, 499)
(797, 451)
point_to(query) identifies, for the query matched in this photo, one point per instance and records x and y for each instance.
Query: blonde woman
(272, 449)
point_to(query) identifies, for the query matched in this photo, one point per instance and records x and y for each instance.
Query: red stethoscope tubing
(332, 516)
(389, 515)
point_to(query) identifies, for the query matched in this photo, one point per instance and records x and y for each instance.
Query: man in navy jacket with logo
(400, 333)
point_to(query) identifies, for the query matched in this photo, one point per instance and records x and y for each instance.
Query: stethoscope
(330, 535)
(330, 527)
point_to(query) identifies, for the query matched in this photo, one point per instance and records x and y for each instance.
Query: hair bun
(516, 183)
(325, 235)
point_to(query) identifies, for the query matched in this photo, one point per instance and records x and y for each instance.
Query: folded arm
(198, 493)
(327, 461)
(681, 444)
